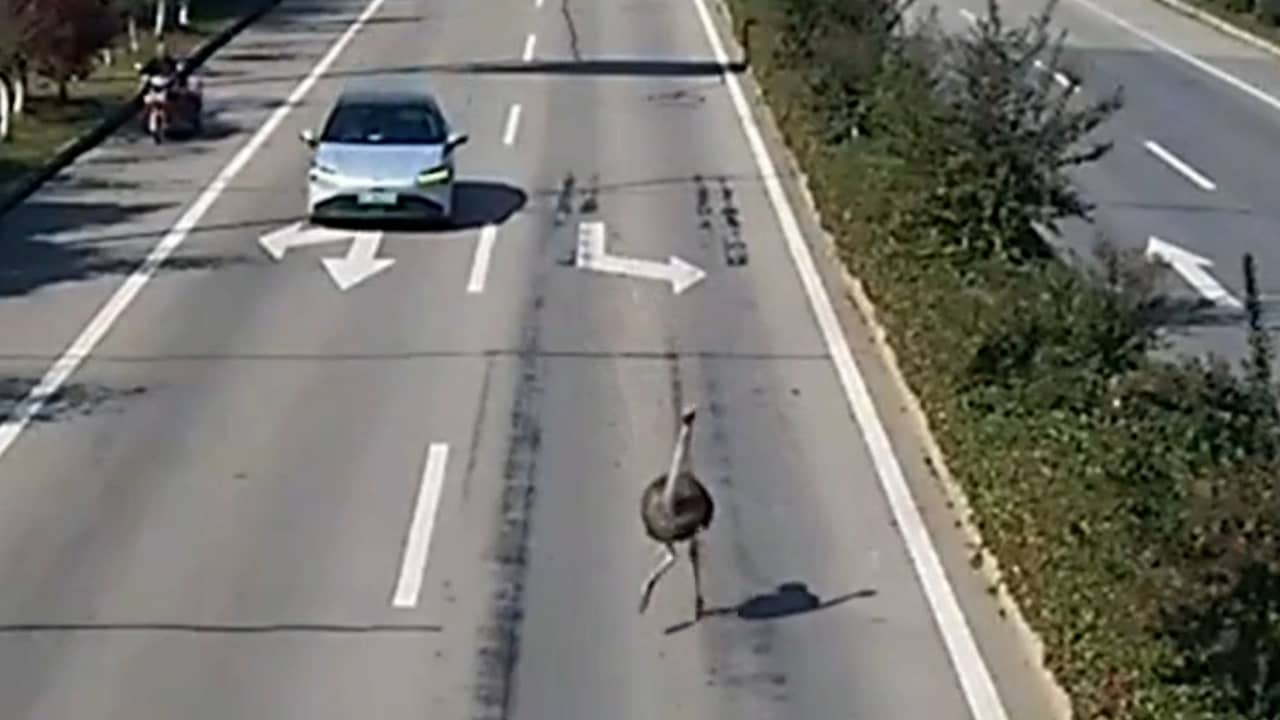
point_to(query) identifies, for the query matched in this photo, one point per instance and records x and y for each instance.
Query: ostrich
(675, 507)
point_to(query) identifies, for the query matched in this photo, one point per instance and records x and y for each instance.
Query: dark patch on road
(677, 98)
(564, 210)
(73, 399)
(724, 227)
(591, 196)
(477, 429)
(498, 649)
(567, 13)
(742, 659)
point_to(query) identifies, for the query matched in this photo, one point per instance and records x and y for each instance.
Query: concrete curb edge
(73, 149)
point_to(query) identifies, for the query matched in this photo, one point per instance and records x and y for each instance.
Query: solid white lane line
(513, 124)
(529, 44)
(480, 263)
(110, 312)
(537, 3)
(975, 678)
(1180, 166)
(413, 564)
(1186, 57)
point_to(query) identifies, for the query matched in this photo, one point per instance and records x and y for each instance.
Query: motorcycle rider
(161, 65)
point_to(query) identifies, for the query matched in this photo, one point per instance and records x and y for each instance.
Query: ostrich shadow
(791, 598)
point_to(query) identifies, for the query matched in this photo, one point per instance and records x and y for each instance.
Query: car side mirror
(456, 139)
(308, 137)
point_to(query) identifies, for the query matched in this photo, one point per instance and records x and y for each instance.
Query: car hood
(380, 162)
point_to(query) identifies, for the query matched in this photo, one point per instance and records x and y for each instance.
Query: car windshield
(385, 124)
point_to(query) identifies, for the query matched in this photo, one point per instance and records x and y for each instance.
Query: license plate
(377, 198)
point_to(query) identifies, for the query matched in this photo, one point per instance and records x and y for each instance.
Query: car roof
(388, 89)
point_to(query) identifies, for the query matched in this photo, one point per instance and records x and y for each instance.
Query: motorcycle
(168, 106)
(155, 102)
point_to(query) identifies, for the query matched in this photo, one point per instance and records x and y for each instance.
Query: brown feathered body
(694, 509)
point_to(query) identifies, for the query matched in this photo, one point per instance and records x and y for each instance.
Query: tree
(66, 36)
(16, 26)
(1014, 136)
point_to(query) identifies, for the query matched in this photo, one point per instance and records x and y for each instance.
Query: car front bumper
(343, 197)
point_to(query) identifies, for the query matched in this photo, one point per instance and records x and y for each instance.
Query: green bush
(1131, 503)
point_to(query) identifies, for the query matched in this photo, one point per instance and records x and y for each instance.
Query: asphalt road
(1190, 164)
(236, 472)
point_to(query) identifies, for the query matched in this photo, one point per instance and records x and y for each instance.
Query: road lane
(1210, 103)
(228, 541)
(615, 360)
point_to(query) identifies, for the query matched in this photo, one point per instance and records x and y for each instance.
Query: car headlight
(324, 169)
(444, 173)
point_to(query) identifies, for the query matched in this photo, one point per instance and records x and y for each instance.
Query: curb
(1225, 27)
(989, 568)
(116, 119)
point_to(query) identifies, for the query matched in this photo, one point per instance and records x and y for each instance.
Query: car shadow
(476, 203)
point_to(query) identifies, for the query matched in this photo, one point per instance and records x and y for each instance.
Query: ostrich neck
(677, 461)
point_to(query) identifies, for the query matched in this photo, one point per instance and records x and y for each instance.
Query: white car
(386, 150)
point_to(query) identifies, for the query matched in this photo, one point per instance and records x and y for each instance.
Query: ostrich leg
(698, 604)
(669, 558)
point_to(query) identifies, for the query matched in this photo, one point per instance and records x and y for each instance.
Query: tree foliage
(67, 34)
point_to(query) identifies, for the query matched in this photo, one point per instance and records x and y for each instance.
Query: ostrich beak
(689, 413)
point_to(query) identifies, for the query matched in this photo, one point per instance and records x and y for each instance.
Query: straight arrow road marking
(592, 255)
(413, 564)
(1193, 269)
(360, 264)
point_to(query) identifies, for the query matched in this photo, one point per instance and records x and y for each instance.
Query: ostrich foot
(665, 564)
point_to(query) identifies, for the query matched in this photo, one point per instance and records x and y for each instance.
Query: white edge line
(529, 43)
(974, 676)
(513, 124)
(1186, 57)
(1180, 165)
(480, 262)
(110, 312)
(413, 563)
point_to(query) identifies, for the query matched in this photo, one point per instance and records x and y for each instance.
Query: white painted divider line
(975, 678)
(1179, 165)
(92, 334)
(529, 44)
(537, 3)
(513, 124)
(480, 262)
(1184, 56)
(413, 564)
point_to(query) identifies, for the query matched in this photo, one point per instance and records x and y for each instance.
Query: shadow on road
(217, 629)
(476, 203)
(607, 67)
(791, 598)
(30, 260)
